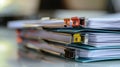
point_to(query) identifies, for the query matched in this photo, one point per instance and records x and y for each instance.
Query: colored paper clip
(66, 22)
(76, 38)
(75, 22)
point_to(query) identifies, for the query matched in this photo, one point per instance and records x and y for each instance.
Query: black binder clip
(69, 53)
(82, 21)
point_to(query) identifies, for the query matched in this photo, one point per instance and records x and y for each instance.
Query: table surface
(12, 60)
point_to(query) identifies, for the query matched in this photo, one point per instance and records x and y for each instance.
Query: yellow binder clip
(76, 38)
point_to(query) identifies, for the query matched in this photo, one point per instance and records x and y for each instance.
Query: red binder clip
(19, 39)
(75, 22)
(66, 22)
(18, 32)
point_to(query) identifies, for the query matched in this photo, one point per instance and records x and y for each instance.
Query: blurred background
(35, 9)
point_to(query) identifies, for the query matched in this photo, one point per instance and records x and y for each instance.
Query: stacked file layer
(80, 39)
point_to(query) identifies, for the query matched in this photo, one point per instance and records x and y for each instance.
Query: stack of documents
(80, 39)
(96, 23)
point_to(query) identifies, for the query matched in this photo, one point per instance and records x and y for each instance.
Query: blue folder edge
(84, 30)
(88, 47)
(80, 59)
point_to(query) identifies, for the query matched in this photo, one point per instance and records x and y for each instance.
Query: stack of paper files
(77, 38)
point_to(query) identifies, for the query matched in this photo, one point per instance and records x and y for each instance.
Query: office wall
(86, 4)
